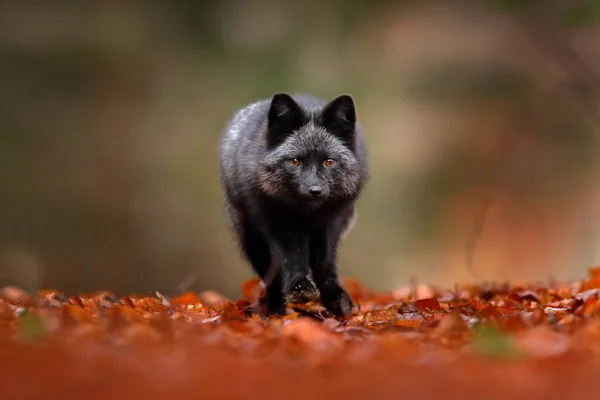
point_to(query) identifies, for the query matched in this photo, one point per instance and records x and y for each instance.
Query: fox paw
(302, 290)
(336, 300)
(275, 309)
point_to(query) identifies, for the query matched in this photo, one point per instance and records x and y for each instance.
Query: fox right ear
(284, 117)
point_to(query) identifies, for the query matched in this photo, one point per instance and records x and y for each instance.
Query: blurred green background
(480, 116)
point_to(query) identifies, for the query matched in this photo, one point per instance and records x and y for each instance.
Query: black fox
(292, 168)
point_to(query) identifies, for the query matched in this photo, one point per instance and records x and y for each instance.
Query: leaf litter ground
(491, 340)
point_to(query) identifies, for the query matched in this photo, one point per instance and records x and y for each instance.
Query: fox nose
(315, 191)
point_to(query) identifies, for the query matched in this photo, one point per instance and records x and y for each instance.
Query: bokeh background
(481, 119)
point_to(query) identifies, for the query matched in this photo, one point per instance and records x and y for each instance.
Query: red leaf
(229, 311)
(241, 304)
(490, 312)
(514, 297)
(427, 304)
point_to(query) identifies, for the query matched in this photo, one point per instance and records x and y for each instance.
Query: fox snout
(315, 192)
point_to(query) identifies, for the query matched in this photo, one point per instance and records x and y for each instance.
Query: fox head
(311, 153)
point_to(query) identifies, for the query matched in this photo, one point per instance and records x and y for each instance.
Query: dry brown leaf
(380, 317)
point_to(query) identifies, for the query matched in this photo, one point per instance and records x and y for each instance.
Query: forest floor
(492, 341)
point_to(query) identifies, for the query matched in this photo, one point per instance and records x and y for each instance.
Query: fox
(292, 168)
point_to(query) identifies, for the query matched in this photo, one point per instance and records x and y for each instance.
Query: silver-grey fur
(261, 190)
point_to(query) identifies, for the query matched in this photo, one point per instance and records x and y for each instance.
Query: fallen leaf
(253, 290)
(593, 283)
(229, 311)
(212, 298)
(528, 295)
(311, 335)
(13, 294)
(594, 273)
(489, 312)
(408, 323)
(186, 299)
(413, 292)
(427, 304)
(380, 317)
(451, 323)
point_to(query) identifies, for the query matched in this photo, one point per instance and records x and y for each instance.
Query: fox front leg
(298, 284)
(323, 264)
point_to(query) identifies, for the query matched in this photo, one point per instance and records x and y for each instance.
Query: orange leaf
(293, 315)
(6, 313)
(72, 314)
(408, 323)
(379, 317)
(245, 328)
(593, 283)
(451, 322)
(127, 301)
(76, 300)
(427, 304)
(490, 312)
(306, 334)
(241, 304)
(229, 311)
(514, 322)
(150, 304)
(253, 289)
(126, 314)
(212, 298)
(589, 306)
(13, 294)
(594, 272)
(185, 299)
(355, 289)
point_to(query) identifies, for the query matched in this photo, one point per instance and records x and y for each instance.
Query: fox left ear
(339, 117)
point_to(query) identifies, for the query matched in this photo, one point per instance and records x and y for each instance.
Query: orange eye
(295, 162)
(329, 162)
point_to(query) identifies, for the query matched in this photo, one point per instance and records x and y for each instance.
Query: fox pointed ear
(285, 116)
(339, 117)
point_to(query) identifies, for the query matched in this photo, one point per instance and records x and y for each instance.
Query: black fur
(292, 168)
